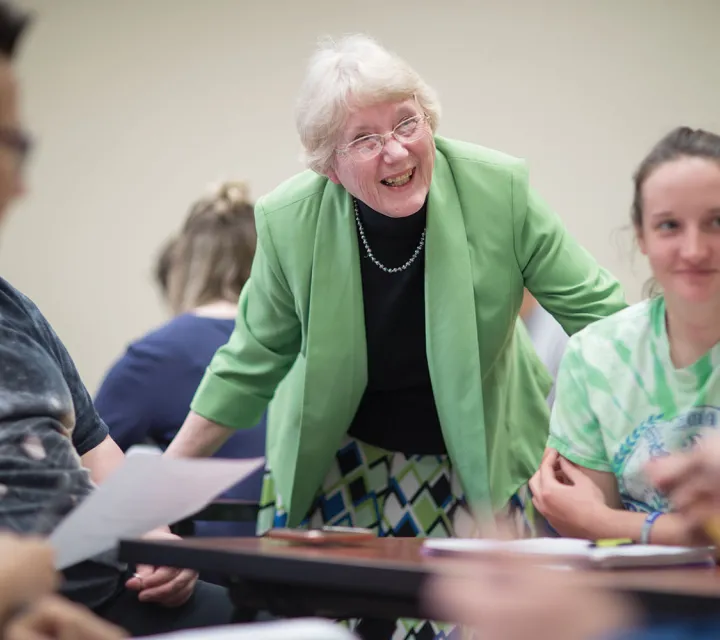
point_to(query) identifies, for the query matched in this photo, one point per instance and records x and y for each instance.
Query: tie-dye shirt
(620, 400)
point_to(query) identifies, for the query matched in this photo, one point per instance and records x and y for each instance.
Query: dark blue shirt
(146, 396)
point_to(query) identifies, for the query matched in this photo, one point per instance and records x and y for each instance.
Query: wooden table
(382, 578)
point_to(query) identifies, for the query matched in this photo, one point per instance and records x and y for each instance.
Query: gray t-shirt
(47, 421)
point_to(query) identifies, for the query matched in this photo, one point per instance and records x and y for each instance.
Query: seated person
(53, 445)
(645, 382)
(547, 335)
(507, 599)
(146, 394)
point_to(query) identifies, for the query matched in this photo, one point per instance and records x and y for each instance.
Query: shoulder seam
(285, 205)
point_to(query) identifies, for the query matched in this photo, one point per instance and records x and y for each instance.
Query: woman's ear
(332, 176)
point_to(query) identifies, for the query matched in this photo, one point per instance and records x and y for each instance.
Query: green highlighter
(612, 542)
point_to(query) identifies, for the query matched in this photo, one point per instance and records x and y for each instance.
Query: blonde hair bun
(230, 194)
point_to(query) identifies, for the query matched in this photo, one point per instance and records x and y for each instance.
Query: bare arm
(669, 529)
(617, 522)
(584, 503)
(198, 438)
(103, 460)
(603, 480)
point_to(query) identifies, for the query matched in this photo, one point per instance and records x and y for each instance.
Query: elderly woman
(381, 314)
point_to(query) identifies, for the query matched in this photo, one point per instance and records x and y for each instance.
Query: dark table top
(377, 560)
(388, 565)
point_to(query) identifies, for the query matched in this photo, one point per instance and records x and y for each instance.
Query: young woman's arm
(584, 503)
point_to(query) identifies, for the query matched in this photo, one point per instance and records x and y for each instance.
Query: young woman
(645, 382)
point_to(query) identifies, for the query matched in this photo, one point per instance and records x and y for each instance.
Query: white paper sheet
(637, 555)
(554, 547)
(145, 493)
(309, 629)
(540, 546)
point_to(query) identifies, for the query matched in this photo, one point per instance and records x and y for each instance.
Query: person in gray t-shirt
(53, 444)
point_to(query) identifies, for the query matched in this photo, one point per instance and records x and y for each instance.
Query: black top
(397, 411)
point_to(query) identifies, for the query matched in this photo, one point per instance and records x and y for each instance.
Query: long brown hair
(211, 257)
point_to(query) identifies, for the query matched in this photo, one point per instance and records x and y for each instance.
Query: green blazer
(299, 340)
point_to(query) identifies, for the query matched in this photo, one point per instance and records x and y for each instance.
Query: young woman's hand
(570, 501)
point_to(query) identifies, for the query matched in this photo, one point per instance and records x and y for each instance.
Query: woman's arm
(564, 278)
(584, 503)
(670, 528)
(198, 438)
(244, 374)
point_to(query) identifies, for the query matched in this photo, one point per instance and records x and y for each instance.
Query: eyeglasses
(367, 147)
(18, 141)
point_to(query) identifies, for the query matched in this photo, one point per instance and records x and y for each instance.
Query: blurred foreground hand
(505, 597)
(691, 481)
(27, 571)
(54, 618)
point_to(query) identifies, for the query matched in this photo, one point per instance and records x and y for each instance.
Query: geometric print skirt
(394, 495)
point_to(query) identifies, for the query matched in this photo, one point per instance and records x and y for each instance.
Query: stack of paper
(577, 552)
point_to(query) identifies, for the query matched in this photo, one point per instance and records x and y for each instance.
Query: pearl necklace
(377, 262)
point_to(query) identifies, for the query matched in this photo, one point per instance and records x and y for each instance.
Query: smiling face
(396, 181)
(680, 229)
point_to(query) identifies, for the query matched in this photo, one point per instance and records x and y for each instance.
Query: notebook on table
(576, 552)
(309, 629)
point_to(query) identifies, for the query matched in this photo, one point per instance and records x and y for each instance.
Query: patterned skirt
(395, 495)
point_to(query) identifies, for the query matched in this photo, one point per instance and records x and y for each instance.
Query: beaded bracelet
(647, 526)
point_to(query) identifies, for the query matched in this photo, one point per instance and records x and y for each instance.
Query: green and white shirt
(620, 401)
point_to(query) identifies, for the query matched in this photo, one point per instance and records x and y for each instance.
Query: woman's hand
(570, 501)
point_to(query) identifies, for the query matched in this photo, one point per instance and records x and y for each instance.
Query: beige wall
(138, 104)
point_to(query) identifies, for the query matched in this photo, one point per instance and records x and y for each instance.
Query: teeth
(400, 180)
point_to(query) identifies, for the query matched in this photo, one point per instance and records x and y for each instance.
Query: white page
(541, 546)
(566, 547)
(309, 629)
(145, 493)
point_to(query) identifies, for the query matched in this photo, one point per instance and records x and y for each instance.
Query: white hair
(355, 68)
